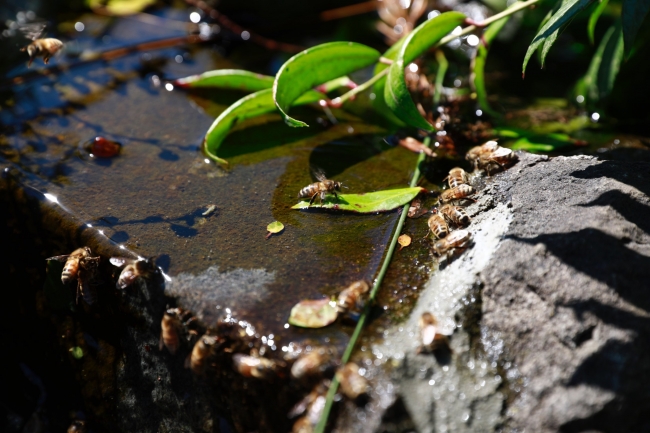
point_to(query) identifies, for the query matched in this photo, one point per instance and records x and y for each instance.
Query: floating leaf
(378, 201)
(119, 7)
(313, 313)
(593, 19)
(250, 106)
(426, 35)
(235, 79)
(315, 66)
(77, 352)
(404, 241)
(274, 227)
(553, 26)
(633, 14)
(478, 65)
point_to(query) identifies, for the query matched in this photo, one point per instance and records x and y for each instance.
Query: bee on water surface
(352, 383)
(320, 188)
(430, 336)
(169, 326)
(458, 193)
(254, 366)
(455, 214)
(458, 239)
(310, 364)
(82, 266)
(202, 350)
(438, 226)
(351, 298)
(457, 176)
(133, 270)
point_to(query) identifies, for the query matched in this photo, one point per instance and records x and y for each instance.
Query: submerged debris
(104, 148)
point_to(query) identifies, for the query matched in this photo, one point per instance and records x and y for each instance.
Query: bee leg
(313, 197)
(335, 195)
(322, 196)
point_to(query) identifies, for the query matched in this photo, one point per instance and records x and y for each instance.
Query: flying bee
(457, 176)
(82, 266)
(254, 366)
(458, 239)
(430, 336)
(169, 327)
(310, 364)
(40, 47)
(352, 383)
(320, 188)
(438, 226)
(475, 153)
(501, 157)
(455, 214)
(461, 192)
(133, 270)
(200, 353)
(351, 298)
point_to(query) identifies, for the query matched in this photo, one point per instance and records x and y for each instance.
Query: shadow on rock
(633, 211)
(636, 175)
(602, 257)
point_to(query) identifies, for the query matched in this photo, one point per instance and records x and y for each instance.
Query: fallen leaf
(378, 201)
(274, 227)
(404, 241)
(416, 146)
(210, 209)
(312, 313)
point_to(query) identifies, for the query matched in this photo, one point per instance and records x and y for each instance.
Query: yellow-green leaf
(378, 201)
(275, 227)
(313, 313)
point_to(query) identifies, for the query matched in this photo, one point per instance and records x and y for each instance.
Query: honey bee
(82, 266)
(313, 404)
(430, 336)
(460, 192)
(501, 157)
(352, 383)
(475, 153)
(455, 214)
(45, 48)
(438, 226)
(350, 299)
(169, 327)
(310, 364)
(320, 188)
(254, 366)
(133, 270)
(457, 176)
(200, 353)
(458, 239)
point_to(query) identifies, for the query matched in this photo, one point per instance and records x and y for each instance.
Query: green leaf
(478, 65)
(77, 352)
(315, 66)
(275, 227)
(593, 19)
(633, 14)
(227, 79)
(532, 142)
(605, 65)
(313, 313)
(378, 201)
(249, 106)
(426, 35)
(120, 7)
(552, 28)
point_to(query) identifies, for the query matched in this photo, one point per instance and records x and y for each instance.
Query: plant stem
(337, 102)
(322, 423)
(469, 29)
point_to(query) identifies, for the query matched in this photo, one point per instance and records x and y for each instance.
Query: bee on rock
(438, 226)
(489, 155)
(202, 350)
(133, 270)
(254, 366)
(430, 335)
(320, 188)
(457, 176)
(458, 239)
(478, 152)
(455, 214)
(455, 194)
(80, 265)
(310, 364)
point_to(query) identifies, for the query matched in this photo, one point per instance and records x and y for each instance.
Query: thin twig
(322, 423)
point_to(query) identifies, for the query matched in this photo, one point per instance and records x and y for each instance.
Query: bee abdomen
(307, 191)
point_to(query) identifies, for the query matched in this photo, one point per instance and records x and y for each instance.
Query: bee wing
(59, 258)
(119, 261)
(32, 30)
(319, 174)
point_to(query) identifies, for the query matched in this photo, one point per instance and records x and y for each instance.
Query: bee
(460, 192)
(457, 176)
(313, 404)
(82, 266)
(310, 364)
(350, 299)
(438, 226)
(200, 353)
(133, 270)
(352, 383)
(501, 157)
(320, 188)
(458, 239)
(45, 48)
(430, 336)
(475, 153)
(77, 426)
(169, 327)
(254, 366)
(455, 214)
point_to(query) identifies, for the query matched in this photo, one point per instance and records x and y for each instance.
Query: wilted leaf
(593, 19)
(313, 313)
(315, 66)
(553, 26)
(416, 146)
(274, 227)
(633, 14)
(404, 241)
(426, 35)
(120, 7)
(235, 79)
(77, 352)
(378, 201)
(478, 65)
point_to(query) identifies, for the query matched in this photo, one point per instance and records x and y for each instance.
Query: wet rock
(548, 311)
